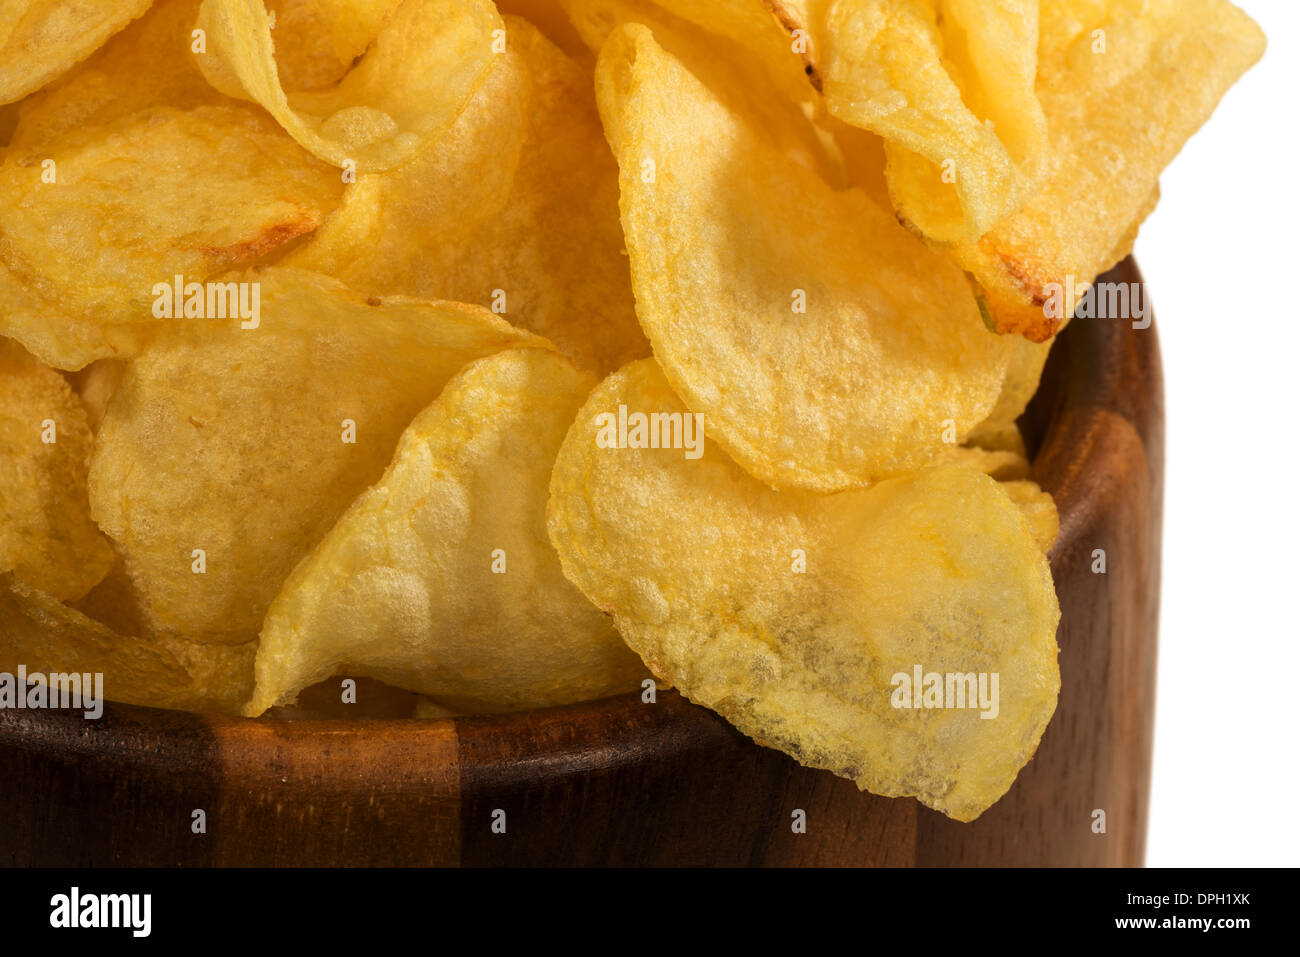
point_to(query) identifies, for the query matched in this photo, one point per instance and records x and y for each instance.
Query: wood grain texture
(619, 782)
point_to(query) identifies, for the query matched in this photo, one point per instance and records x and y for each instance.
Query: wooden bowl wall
(621, 782)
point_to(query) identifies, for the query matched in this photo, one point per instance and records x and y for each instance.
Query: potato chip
(46, 636)
(1024, 371)
(147, 64)
(776, 112)
(1000, 464)
(949, 84)
(1039, 510)
(39, 39)
(419, 73)
(440, 578)
(824, 344)
(228, 452)
(46, 536)
(995, 437)
(759, 26)
(1174, 59)
(516, 209)
(790, 613)
(1011, 470)
(160, 194)
(221, 676)
(317, 41)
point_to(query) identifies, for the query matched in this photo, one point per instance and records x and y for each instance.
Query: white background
(1222, 262)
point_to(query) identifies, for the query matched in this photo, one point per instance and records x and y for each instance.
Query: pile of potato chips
(503, 353)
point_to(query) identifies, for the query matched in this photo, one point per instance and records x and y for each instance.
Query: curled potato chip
(440, 578)
(825, 345)
(159, 194)
(515, 209)
(949, 84)
(759, 26)
(1174, 59)
(425, 63)
(317, 41)
(789, 613)
(227, 452)
(147, 64)
(48, 636)
(776, 113)
(39, 39)
(47, 537)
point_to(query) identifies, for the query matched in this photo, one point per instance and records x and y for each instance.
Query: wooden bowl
(621, 782)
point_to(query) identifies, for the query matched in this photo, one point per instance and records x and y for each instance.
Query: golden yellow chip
(147, 64)
(1011, 469)
(46, 536)
(949, 84)
(516, 209)
(423, 66)
(440, 578)
(777, 114)
(228, 452)
(1024, 371)
(793, 614)
(1176, 58)
(1039, 510)
(159, 198)
(47, 636)
(1001, 464)
(824, 344)
(759, 27)
(998, 437)
(221, 676)
(317, 41)
(39, 39)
